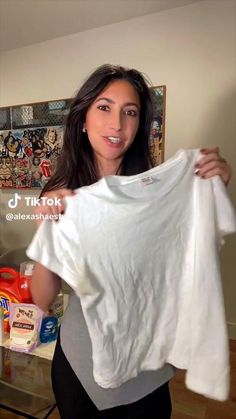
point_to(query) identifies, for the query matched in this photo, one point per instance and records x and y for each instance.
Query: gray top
(76, 345)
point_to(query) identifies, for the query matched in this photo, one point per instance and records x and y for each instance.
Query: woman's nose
(116, 121)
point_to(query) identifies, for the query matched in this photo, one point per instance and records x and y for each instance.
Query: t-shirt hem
(220, 393)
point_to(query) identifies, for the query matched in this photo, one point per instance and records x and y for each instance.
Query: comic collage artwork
(28, 156)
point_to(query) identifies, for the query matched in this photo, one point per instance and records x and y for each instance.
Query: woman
(107, 133)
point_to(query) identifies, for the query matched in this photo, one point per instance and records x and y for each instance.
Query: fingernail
(203, 150)
(196, 171)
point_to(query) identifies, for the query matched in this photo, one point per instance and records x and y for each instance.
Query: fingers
(55, 200)
(212, 164)
(45, 211)
(52, 205)
(62, 191)
(209, 150)
(209, 157)
(212, 168)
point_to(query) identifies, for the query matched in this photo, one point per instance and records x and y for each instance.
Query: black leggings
(74, 403)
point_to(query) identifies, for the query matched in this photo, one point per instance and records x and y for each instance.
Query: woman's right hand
(52, 204)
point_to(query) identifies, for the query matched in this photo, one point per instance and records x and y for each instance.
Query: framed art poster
(157, 137)
(31, 139)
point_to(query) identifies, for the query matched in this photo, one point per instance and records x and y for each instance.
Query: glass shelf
(25, 384)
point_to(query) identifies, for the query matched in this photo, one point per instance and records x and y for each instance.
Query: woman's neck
(107, 168)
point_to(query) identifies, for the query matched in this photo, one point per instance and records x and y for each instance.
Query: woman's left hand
(212, 164)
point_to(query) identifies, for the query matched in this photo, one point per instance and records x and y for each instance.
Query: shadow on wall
(220, 129)
(14, 231)
(13, 258)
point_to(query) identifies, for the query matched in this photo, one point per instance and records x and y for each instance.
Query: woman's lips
(112, 142)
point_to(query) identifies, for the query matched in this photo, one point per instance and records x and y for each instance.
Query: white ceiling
(26, 22)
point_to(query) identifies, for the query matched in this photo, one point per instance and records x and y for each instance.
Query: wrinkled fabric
(76, 345)
(142, 254)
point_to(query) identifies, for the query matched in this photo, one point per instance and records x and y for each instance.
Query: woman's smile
(113, 141)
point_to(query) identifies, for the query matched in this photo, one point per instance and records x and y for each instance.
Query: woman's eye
(131, 112)
(103, 108)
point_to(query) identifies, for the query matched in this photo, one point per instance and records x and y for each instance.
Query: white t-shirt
(141, 253)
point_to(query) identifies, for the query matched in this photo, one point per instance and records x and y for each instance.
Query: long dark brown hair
(76, 165)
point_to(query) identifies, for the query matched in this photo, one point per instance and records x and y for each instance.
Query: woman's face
(112, 122)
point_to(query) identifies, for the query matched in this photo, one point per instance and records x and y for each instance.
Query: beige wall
(191, 49)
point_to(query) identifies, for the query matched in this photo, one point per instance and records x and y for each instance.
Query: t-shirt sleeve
(208, 370)
(225, 214)
(54, 246)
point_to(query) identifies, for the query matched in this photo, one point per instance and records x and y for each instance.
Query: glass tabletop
(25, 384)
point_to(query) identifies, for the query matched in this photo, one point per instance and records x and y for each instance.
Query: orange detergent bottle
(13, 288)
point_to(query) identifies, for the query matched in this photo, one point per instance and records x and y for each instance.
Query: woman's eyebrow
(112, 101)
(105, 98)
